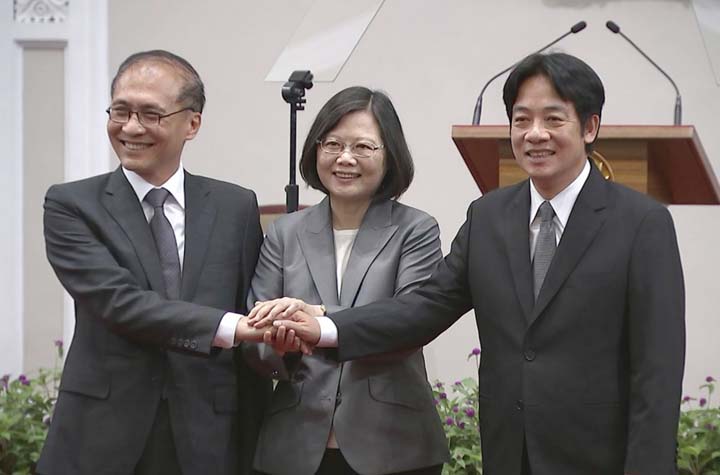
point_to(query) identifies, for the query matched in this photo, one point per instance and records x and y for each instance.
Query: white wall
(432, 57)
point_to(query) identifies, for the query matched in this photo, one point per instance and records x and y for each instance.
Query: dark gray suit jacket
(384, 417)
(131, 346)
(590, 375)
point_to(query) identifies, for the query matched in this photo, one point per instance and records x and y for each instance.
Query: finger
(258, 312)
(305, 348)
(279, 308)
(254, 310)
(280, 336)
(268, 338)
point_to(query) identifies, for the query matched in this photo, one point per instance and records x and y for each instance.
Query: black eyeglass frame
(139, 115)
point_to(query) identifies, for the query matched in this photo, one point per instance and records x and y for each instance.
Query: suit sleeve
(656, 324)
(412, 319)
(92, 276)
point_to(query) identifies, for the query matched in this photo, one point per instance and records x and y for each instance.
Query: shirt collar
(175, 185)
(564, 201)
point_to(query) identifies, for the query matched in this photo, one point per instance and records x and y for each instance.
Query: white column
(80, 27)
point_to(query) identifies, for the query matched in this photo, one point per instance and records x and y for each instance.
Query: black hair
(399, 168)
(573, 80)
(192, 92)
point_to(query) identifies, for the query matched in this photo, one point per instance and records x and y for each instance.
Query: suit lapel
(199, 219)
(375, 231)
(318, 246)
(586, 219)
(122, 203)
(517, 240)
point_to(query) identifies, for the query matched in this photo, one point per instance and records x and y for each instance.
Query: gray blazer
(384, 416)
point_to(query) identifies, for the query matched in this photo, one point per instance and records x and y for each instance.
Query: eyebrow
(142, 107)
(550, 108)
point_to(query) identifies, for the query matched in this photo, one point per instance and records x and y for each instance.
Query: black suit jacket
(131, 346)
(590, 375)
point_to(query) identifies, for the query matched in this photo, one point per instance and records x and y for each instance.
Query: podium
(665, 162)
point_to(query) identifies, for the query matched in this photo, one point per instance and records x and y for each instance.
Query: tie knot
(156, 197)
(546, 212)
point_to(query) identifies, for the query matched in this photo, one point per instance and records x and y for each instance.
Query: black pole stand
(293, 92)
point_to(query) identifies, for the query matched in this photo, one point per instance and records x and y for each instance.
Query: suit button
(519, 405)
(529, 355)
(193, 345)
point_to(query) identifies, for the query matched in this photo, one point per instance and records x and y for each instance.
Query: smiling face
(151, 151)
(350, 180)
(547, 138)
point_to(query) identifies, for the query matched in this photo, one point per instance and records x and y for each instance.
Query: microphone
(577, 27)
(677, 119)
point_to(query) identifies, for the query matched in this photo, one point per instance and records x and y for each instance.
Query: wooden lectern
(665, 162)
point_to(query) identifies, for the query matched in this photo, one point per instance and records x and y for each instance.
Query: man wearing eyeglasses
(158, 262)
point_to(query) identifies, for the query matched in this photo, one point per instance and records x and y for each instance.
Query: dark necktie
(165, 241)
(544, 245)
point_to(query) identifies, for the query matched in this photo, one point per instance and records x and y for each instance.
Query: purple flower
(458, 383)
(461, 425)
(470, 412)
(711, 427)
(709, 379)
(22, 378)
(59, 343)
(443, 396)
(455, 409)
(436, 402)
(475, 352)
(4, 381)
(702, 402)
(686, 399)
(439, 385)
(449, 421)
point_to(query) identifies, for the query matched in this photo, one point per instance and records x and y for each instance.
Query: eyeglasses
(360, 149)
(122, 115)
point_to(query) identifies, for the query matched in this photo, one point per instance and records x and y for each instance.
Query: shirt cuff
(328, 333)
(225, 336)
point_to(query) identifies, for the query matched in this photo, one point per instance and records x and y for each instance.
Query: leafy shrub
(26, 407)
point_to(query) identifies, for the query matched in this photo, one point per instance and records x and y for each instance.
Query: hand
(305, 327)
(280, 341)
(284, 341)
(265, 312)
(246, 332)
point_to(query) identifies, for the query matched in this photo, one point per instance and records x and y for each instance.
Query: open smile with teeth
(347, 175)
(537, 154)
(135, 145)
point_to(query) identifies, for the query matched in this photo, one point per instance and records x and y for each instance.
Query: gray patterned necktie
(165, 241)
(544, 245)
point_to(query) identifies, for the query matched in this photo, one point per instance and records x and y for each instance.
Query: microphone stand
(576, 28)
(293, 92)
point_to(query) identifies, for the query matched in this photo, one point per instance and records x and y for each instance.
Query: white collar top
(562, 204)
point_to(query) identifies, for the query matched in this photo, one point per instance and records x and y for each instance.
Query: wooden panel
(666, 162)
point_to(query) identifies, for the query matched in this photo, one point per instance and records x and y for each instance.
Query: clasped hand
(289, 324)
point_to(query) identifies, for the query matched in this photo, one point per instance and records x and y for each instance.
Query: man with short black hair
(158, 262)
(578, 293)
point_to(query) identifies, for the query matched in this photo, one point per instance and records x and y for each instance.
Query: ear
(193, 126)
(590, 130)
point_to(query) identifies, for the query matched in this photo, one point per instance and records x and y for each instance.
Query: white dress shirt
(562, 203)
(174, 209)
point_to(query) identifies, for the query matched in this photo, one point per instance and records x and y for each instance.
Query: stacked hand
(286, 324)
